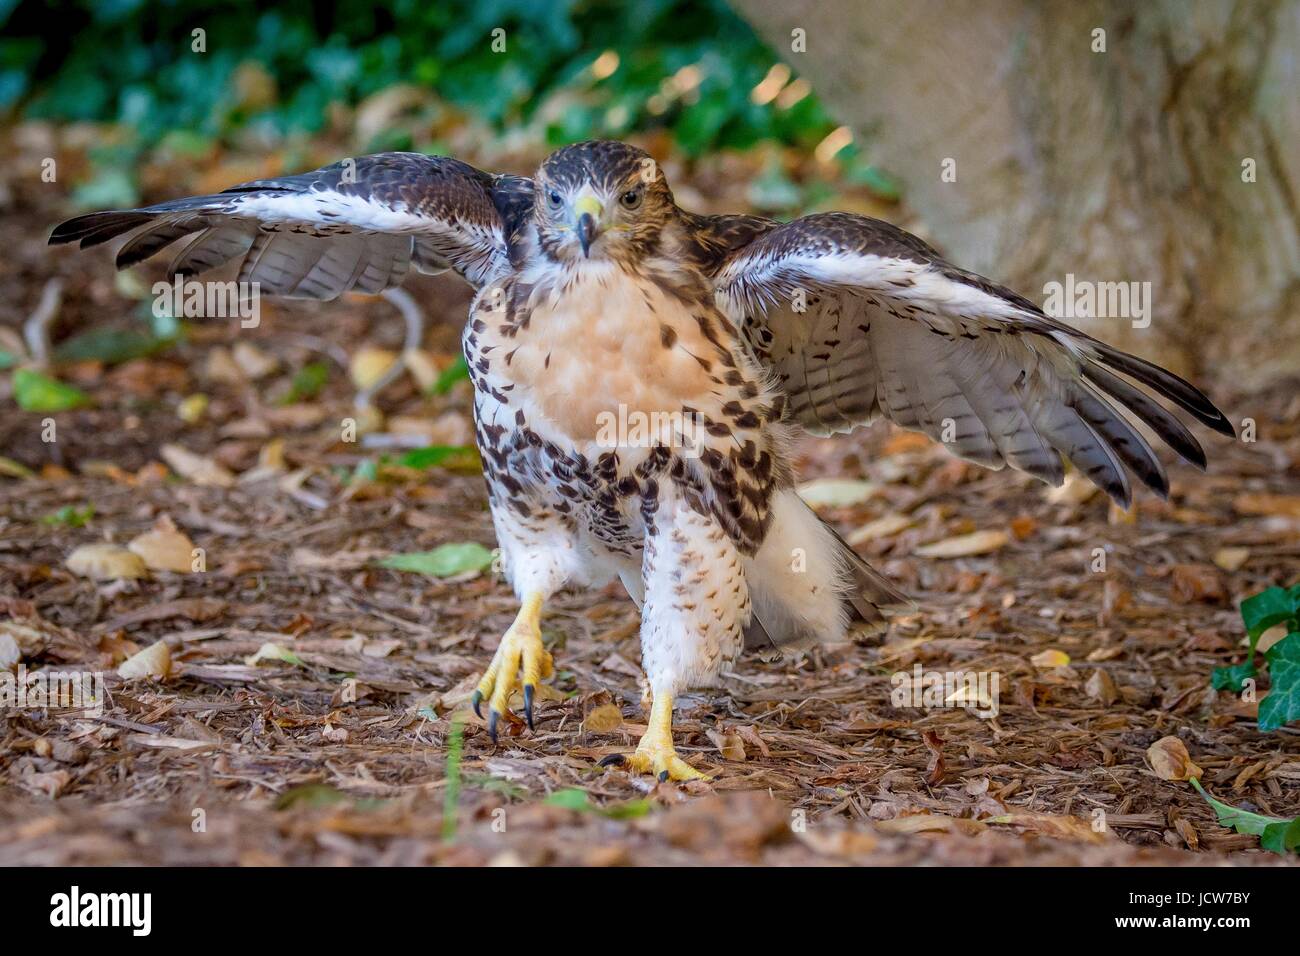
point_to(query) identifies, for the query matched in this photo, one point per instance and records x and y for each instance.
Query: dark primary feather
(891, 329)
(354, 225)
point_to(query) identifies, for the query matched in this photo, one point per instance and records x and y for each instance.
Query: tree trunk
(1131, 164)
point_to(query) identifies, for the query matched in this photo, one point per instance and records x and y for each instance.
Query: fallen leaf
(1198, 582)
(154, 661)
(1101, 686)
(1060, 827)
(964, 545)
(1231, 559)
(836, 492)
(1170, 761)
(253, 361)
(271, 651)
(928, 823)
(197, 468)
(603, 719)
(165, 547)
(1267, 504)
(443, 561)
(880, 528)
(729, 745)
(369, 365)
(1050, 658)
(1075, 490)
(191, 409)
(35, 392)
(106, 562)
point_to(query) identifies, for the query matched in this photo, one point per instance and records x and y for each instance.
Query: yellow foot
(655, 753)
(522, 645)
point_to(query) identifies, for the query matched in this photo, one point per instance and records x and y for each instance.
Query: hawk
(640, 372)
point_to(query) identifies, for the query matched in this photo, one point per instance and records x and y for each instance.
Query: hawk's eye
(631, 199)
(554, 199)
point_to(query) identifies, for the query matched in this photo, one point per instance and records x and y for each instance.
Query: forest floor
(350, 740)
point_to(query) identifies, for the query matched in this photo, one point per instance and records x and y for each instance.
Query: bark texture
(1122, 165)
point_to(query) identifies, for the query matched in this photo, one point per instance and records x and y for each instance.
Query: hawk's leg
(520, 650)
(655, 753)
(696, 607)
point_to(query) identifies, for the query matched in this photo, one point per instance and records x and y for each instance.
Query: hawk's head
(601, 199)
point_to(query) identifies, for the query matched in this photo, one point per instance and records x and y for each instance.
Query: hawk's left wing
(888, 328)
(359, 224)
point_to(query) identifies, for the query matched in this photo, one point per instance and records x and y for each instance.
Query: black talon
(475, 699)
(613, 760)
(663, 775)
(528, 704)
(493, 716)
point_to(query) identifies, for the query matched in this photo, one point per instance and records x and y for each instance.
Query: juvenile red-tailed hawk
(639, 372)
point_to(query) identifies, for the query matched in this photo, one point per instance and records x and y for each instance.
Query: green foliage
(70, 516)
(457, 371)
(1260, 612)
(574, 798)
(443, 561)
(273, 72)
(434, 455)
(451, 796)
(307, 383)
(1277, 834)
(1282, 705)
(35, 392)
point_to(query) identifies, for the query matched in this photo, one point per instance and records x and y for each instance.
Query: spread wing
(359, 224)
(890, 329)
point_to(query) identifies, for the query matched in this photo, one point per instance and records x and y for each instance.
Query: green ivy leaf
(443, 561)
(1281, 837)
(35, 392)
(1243, 821)
(1267, 609)
(1232, 678)
(1282, 705)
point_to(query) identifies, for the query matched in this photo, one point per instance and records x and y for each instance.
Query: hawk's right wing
(860, 320)
(359, 224)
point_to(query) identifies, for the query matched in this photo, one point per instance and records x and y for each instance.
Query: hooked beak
(589, 210)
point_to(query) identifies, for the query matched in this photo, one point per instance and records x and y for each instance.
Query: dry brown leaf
(165, 547)
(880, 528)
(154, 661)
(1261, 503)
(1052, 825)
(1170, 761)
(106, 562)
(253, 361)
(1198, 582)
(836, 492)
(1075, 490)
(965, 545)
(1231, 559)
(1050, 658)
(369, 365)
(603, 719)
(929, 823)
(197, 468)
(1101, 686)
(729, 745)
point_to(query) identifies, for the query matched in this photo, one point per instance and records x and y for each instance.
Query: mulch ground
(358, 748)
